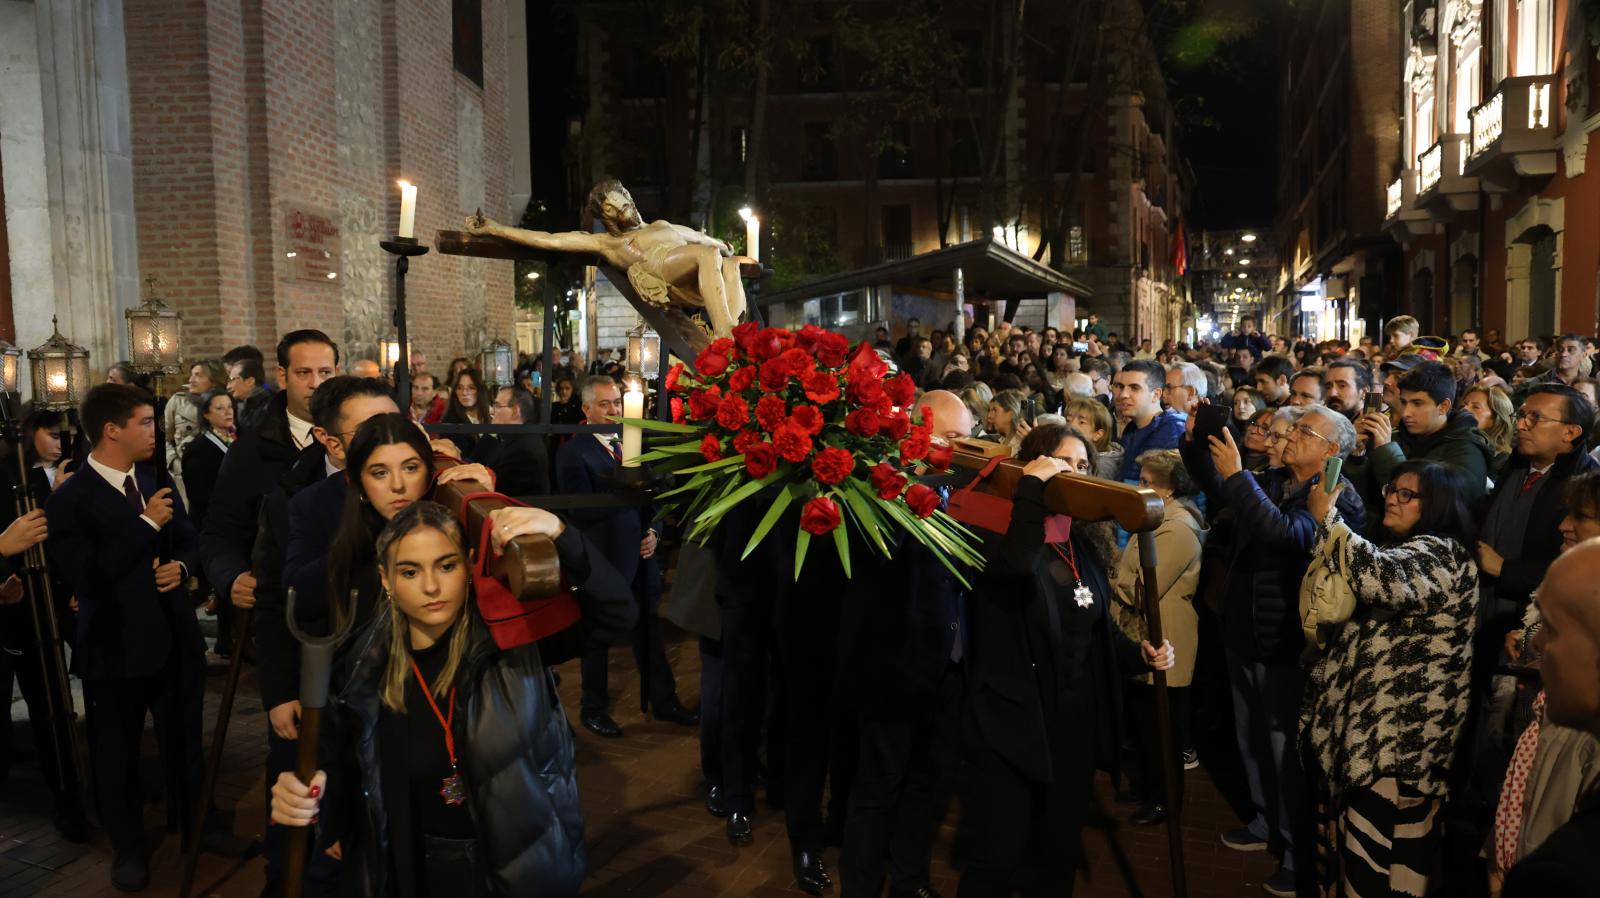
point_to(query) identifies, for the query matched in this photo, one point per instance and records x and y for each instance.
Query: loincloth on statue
(646, 279)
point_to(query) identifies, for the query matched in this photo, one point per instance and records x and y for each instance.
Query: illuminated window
(1077, 251)
(1535, 37)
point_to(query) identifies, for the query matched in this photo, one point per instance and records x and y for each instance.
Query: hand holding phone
(1330, 473)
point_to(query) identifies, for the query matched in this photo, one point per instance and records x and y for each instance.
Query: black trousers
(821, 744)
(746, 636)
(20, 663)
(322, 872)
(711, 713)
(1152, 783)
(649, 655)
(898, 797)
(116, 714)
(1027, 826)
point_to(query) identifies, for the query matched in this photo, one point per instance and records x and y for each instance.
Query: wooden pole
(1169, 757)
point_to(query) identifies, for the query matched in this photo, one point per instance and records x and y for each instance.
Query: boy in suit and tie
(583, 464)
(126, 548)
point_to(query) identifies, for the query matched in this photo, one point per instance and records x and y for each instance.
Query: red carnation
(760, 459)
(886, 480)
(901, 389)
(939, 456)
(721, 346)
(924, 500)
(677, 409)
(733, 412)
(833, 465)
(709, 363)
(808, 337)
(915, 446)
(771, 412)
(744, 336)
(770, 342)
(673, 373)
(863, 422)
(741, 378)
(703, 403)
(831, 350)
(743, 442)
(867, 363)
(774, 375)
(792, 442)
(896, 424)
(821, 387)
(807, 418)
(711, 448)
(819, 516)
(864, 390)
(798, 362)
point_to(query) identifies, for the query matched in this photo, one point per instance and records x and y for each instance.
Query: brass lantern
(60, 372)
(497, 363)
(155, 335)
(10, 367)
(389, 353)
(644, 350)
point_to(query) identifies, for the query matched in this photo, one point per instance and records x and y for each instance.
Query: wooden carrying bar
(528, 565)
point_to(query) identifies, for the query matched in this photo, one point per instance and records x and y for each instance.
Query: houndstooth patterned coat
(1389, 696)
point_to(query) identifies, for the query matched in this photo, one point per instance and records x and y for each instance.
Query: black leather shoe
(740, 832)
(1149, 813)
(130, 871)
(600, 724)
(677, 713)
(716, 805)
(809, 873)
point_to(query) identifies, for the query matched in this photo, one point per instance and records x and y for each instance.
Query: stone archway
(1534, 244)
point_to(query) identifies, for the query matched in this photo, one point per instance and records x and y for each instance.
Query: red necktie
(1533, 478)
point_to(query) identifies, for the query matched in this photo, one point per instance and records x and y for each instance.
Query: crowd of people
(1373, 576)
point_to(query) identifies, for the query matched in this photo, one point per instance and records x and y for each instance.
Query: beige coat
(1178, 542)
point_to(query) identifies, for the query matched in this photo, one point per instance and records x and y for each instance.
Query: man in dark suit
(520, 462)
(583, 465)
(126, 548)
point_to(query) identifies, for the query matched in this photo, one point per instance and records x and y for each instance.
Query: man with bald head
(902, 640)
(366, 368)
(1569, 599)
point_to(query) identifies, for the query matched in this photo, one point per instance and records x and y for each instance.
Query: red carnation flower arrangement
(817, 426)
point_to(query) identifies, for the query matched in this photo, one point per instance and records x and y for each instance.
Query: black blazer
(520, 463)
(278, 658)
(202, 461)
(582, 465)
(101, 546)
(16, 620)
(897, 629)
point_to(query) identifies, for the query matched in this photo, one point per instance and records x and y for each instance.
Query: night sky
(1224, 69)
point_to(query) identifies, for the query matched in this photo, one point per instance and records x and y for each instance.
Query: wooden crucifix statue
(667, 265)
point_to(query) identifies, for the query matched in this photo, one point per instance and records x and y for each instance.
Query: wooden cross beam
(682, 335)
(528, 566)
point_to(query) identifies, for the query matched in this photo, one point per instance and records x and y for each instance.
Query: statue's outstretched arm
(564, 242)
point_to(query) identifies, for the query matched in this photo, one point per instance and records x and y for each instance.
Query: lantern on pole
(60, 372)
(644, 351)
(389, 353)
(497, 362)
(10, 367)
(155, 336)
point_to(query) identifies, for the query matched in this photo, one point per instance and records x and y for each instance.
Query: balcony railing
(1394, 197)
(1488, 123)
(1519, 118)
(1430, 167)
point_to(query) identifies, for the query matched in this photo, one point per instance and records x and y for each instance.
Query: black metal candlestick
(403, 248)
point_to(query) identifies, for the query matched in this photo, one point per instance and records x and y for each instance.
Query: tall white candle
(408, 208)
(632, 436)
(752, 237)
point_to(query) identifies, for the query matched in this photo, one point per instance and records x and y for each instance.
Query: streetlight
(644, 350)
(1248, 238)
(389, 353)
(155, 337)
(10, 365)
(60, 371)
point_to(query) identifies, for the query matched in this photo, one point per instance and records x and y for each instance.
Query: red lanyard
(1071, 558)
(449, 737)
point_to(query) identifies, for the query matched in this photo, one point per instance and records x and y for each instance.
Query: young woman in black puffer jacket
(448, 764)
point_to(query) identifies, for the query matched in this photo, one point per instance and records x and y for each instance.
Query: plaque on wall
(311, 241)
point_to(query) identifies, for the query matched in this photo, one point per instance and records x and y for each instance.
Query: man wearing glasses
(1521, 532)
(1261, 622)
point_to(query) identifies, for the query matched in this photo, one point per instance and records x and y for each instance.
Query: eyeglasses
(1534, 419)
(1405, 496)
(1306, 431)
(1258, 428)
(1273, 437)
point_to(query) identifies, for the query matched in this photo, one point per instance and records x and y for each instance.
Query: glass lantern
(389, 353)
(10, 367)
(60, 372)
(155, 335)
(497, 363)
(644, 350)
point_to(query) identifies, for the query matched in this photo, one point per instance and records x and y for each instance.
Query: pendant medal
(1083, 596)
(453, 791)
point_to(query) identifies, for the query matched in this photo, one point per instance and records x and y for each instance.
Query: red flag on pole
(1180, 250)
